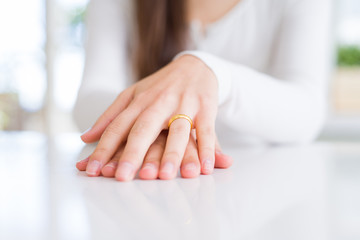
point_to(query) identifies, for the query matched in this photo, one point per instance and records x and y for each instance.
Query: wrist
(194, 66)
(220, 68)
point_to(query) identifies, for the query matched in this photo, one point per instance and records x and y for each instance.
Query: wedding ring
(177, 116)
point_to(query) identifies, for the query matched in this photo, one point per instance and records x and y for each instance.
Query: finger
(221, 160)
(113, 136)
(81, 165)
(110, 168)
(205, 133)
(176, 143)
(144, 132)
(190, 165)
(150, 167)
(121, 102)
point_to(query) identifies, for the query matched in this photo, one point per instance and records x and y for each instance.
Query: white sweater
(271, 59)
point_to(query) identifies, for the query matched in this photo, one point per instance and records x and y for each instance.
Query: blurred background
(42, 56)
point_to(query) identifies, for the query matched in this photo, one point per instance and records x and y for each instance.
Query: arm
(106, 77)
(289, 104)
(106, 71)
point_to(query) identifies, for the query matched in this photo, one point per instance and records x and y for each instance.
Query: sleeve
(288, 105)
(106, 71)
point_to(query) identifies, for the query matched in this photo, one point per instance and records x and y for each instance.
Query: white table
(293, 192)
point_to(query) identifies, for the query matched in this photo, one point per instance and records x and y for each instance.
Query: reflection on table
(288, 192)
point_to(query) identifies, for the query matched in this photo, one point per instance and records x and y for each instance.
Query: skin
(138, 115)
(190, 166)
(131, 131)
(208, 11)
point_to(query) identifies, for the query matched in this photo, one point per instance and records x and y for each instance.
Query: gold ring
(177, 116)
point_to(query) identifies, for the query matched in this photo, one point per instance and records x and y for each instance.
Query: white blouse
(271, 59)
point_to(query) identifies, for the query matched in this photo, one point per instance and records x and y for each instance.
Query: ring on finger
(178, 116)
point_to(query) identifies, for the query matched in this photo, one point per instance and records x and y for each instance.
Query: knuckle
(206, 148)
(131, 153)
(107, 117)
(206, 131)
(179, 128)
(167, 96)
(153, 112)
(140, 128)
(207, 101)
(207, 97)
(113, 129)
(189, 96)
(141, 96)
(189, 99)
(100, 152)
(140, 100)
(131, 156)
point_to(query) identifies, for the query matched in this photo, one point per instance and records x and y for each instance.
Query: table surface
(287, 192)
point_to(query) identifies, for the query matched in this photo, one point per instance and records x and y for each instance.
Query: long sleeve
(288, 103)
(106, 71)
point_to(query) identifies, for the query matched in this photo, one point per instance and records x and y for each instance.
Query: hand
(190, 166)
(141, 112)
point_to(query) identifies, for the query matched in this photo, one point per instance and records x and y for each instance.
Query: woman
(253, 69)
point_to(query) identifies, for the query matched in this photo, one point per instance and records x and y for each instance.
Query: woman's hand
(190, 166)
(141, 112)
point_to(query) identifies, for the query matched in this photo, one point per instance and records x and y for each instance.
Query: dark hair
(161, 32)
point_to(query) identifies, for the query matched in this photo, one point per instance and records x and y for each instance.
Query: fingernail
(87, 130)
(112, 164)
(93, 168)
(84, 160)
(208, 165)
(168, 167)
(125, 170)
(190, 167)
(149, 166)
(219, 152)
